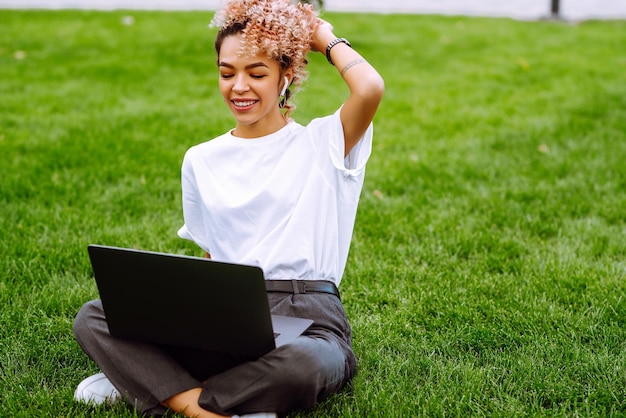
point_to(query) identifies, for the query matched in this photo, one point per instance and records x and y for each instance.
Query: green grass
(488, 266)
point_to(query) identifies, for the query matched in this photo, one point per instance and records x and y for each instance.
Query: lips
(241, 104)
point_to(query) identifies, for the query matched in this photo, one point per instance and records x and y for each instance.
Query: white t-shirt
(285, 202)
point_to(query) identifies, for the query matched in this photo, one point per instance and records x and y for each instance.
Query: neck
(257, 130)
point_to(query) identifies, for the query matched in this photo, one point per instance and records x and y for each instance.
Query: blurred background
(518, 9)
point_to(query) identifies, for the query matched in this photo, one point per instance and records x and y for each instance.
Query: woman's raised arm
(365, 84)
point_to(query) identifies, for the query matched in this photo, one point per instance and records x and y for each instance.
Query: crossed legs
(154, 379)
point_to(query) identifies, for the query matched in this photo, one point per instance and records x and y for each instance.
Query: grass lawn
(488, 265)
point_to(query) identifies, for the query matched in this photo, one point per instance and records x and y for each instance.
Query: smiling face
(250, 86)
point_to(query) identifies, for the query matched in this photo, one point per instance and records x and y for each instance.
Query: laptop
(189, 302)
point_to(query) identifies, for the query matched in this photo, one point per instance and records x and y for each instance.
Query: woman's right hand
(322, 36)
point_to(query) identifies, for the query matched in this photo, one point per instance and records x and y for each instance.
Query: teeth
(244, 104)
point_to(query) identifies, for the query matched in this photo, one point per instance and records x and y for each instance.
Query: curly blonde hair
(280, 29)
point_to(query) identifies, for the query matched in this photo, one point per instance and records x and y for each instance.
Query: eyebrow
(248, 67)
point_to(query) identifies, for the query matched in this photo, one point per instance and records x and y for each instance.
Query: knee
(311, 374)
(86, 318)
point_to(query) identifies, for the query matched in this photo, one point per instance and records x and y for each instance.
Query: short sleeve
(192, 206)
(349, 171)
(354, 163)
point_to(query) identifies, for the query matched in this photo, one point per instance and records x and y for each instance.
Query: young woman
(272, 193)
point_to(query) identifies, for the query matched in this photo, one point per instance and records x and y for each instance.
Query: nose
(240, 85)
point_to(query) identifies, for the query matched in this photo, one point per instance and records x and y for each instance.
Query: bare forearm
(359, 75)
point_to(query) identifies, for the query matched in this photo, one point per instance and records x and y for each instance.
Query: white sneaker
(96, 390)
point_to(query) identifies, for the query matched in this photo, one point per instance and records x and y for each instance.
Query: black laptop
(189, 302)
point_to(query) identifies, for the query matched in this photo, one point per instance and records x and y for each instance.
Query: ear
(289, 74)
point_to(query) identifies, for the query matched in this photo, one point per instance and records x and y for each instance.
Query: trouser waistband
(302, 286)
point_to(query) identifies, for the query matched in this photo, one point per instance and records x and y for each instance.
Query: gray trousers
(293, 376)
